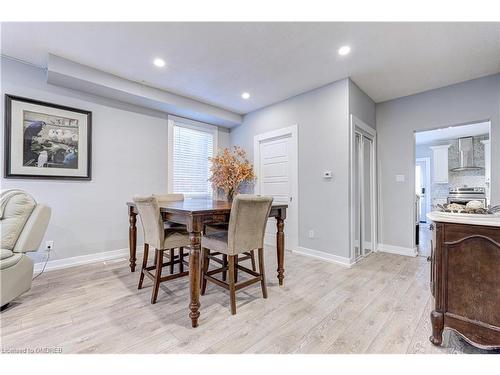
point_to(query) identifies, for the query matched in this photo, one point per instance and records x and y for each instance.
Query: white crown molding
(407, 251)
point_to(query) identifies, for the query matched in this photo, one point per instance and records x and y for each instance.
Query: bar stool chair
(219, 227)
(166, 198)
(155, 235)
(247, 223)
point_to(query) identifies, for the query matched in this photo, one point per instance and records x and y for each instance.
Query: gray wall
(129, 156)
(467, 102)
(323, 132)
(361, 105)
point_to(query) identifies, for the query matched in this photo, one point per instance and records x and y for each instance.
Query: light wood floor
(380, 305)
(425, 234)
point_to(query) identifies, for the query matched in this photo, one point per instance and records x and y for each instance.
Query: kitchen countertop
(472, 219)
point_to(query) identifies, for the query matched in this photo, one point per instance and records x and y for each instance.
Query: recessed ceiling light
(344, 50)
(245, 95)
(160, 63)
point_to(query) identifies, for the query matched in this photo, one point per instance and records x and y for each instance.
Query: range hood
(466, 155)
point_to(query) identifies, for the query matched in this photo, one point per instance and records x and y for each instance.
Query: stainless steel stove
(463, 195)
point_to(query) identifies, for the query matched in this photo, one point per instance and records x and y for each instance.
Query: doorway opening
(452, 165)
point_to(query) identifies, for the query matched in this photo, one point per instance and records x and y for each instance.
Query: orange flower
(230, 169)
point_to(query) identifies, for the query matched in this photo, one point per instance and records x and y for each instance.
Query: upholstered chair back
(23, 222)
(247, 223)
(152, 223)
(169, 197)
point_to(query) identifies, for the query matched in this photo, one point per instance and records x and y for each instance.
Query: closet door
(367, 196)
(357, 195)
(364, 222)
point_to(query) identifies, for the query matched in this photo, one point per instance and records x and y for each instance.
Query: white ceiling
(452, 132)
(216, 62)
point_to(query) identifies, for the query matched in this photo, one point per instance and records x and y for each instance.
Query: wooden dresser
(465, 281)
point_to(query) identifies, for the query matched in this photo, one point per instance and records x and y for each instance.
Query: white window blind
(190, 168)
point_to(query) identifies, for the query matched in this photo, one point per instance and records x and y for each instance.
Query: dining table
(195, 214)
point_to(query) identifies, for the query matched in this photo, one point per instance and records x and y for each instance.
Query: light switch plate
(400, 178)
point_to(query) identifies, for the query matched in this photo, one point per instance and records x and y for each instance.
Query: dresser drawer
(457, 232)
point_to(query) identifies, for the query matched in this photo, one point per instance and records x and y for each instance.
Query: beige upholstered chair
(169, 197)
(161, 239)
(219, 227)
(247, 223)
(23, 223)
(166, 198)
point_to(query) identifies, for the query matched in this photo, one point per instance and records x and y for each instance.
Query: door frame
(356, 125)
(427, 161)
(291, 131)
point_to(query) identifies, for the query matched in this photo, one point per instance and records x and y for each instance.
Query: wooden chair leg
(262, 272)
(181, 259)
(156, 258)
(252, 258)
(235, 268)
(224, 264)
(204, 269)
(144, 265)
(232, 282)
(172, 257)
(159, 265)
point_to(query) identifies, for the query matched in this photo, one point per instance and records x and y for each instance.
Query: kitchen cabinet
(487, 160)
(440, 164)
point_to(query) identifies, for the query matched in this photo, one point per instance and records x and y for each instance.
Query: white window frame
(190, 124)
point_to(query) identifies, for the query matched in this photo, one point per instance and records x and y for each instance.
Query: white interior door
(363, 193)
(276, 177)
(368, 195)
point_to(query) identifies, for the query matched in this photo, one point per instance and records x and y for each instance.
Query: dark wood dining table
(195, 214)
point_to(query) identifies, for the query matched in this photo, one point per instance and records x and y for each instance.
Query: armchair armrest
(33, 230)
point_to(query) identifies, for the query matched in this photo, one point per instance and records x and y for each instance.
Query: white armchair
(23, 223)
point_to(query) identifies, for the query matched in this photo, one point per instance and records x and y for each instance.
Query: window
(191, 143)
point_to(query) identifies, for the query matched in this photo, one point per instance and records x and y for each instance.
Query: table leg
(194, 277)
(280, 248)
(132, 238)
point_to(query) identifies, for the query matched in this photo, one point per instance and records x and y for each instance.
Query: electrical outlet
(311, 233)
(49, 245)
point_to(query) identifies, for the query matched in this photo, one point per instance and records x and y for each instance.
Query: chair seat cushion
(169, 224)
(218, 227)
(176, 237)
(216, 241)
(9, 258)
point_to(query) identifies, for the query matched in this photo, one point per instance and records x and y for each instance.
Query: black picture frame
(8, 140)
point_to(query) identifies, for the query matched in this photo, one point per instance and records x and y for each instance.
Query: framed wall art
(46, 141)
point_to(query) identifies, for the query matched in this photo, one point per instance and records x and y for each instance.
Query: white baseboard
(85, 259)
(407, 251)
(343, 261)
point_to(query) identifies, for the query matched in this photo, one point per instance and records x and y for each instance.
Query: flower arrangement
(229, 169)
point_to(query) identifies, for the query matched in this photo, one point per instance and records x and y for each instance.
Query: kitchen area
(458, 231)
(452, 166)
